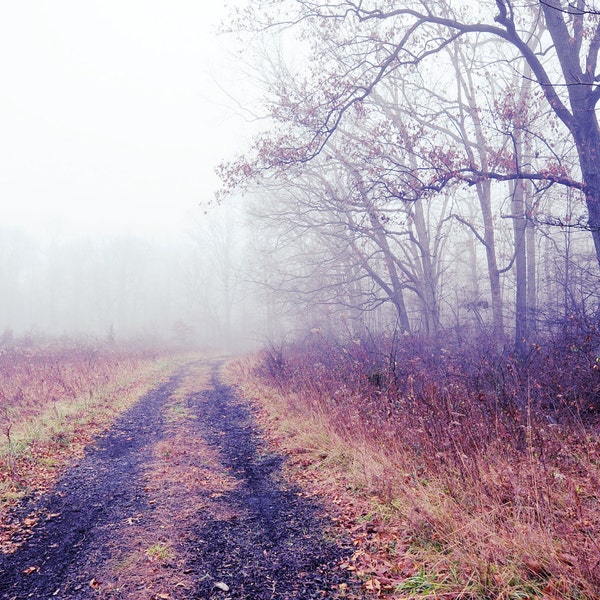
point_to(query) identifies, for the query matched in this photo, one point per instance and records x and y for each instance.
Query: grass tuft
(161, 552)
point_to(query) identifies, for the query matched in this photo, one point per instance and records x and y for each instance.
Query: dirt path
(180, 499)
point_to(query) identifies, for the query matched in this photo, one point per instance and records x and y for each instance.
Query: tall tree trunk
(583, 94)
(531, 272)
(588, 147)
(489, 237)
(394, 289)
(396, 294)
(466, 88)
(519, 225)
(429, 294)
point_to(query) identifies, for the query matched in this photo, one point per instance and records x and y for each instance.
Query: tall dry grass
(489, 466)
(33, 377)
(55, 396)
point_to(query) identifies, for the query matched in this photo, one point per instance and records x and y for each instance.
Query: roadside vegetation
(459, 471)
(55, 397)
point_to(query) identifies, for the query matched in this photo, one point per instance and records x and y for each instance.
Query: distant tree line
(185, 292)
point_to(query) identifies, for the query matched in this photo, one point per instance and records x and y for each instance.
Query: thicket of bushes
(500, 453)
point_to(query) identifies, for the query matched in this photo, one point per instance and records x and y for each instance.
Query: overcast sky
(111, 116)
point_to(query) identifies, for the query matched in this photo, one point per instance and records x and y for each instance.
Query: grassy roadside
(43, 432)
(448, 524)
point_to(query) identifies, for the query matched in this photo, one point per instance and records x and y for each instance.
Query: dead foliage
(459, 471)
(55, 398)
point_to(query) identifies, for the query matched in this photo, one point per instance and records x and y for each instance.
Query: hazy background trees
(185, 291)
(422, 166)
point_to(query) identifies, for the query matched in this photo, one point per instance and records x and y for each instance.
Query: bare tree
(357, 45)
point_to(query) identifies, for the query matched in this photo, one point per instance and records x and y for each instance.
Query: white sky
(110, 114)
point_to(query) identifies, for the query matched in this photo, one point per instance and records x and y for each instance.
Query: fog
(353, 191)
(111, 113)
(114, 116)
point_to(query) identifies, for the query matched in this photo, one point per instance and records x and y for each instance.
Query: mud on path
(180, 499)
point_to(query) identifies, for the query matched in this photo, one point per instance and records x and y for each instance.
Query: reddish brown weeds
(34, 377)
(489, 464)
(54, 397)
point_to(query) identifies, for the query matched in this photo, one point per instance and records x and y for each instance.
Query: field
(458, 474)
(454, 472)
(188, 446)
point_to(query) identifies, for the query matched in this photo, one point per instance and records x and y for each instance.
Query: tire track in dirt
(88, 506)
(272, 544)
(189, 465)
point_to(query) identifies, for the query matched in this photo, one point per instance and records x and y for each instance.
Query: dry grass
(55, 400)
(150, 556)
(444, 498)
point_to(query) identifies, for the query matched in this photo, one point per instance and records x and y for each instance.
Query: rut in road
(233, 527)
(273, 544)
(87, 509)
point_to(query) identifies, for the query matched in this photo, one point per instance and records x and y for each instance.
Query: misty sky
(111, 113)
